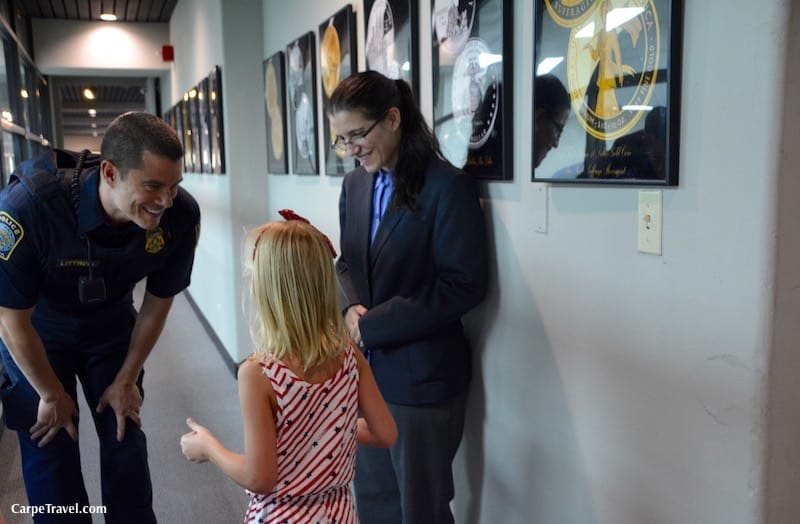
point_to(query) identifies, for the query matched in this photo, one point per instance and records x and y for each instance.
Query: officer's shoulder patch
(11, 232)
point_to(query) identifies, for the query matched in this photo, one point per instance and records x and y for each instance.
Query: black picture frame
(337, 61)
(195, 131)
(275, 102)
(391, 39)
(205, 126)
(472, 77)
(302, 87)
(216, 121)
(620, 65)
(188, 143)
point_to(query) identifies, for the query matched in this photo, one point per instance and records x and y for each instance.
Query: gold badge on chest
(154, 240)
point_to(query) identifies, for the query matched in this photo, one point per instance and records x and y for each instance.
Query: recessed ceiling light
(88, 93)
(108, 17)
(93, 113)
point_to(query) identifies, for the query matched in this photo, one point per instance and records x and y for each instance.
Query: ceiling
(113, 96)
(89, 10)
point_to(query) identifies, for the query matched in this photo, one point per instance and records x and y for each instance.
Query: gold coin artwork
(271, 90)
(331, 58)
(277, 138)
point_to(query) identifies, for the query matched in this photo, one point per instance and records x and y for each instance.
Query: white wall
(206, 34)
(614, 387)
(64, 47)
(783, 430)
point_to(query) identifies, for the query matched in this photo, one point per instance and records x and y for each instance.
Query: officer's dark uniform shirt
(43, 253)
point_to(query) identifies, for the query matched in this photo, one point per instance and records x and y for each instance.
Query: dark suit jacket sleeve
(445, 270)
(348, 295)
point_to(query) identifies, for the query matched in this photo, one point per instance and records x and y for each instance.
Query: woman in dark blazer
(413, 262)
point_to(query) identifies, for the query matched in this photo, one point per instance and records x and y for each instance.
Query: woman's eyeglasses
(357, 139)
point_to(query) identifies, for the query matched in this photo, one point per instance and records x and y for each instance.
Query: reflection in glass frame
(390, 39)
(216, 121)
(472, 84)
(194, 125)
(275, 101)
(205, 126)
(302, 84)
(337, 51)
(188, 143)
(606, 92)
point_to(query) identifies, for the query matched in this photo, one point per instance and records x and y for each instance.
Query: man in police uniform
(72, 247)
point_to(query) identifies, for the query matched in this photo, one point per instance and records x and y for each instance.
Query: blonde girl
(307, 396)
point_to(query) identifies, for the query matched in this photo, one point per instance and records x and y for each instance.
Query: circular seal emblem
(475, 93)
(612, 67)
(379, 45)
(154, 240)
(452, 24)
(569, 13)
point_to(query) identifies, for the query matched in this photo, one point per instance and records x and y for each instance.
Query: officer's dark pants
(412, 482)
(53, 473)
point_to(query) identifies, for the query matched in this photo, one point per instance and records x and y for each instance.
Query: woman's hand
(351, 318)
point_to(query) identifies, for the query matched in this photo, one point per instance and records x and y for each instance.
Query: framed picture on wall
(303, 104)
(188, 145)
(606, 93)
(205, 126)
(275, 100)
(216, 121)
(177, 116)
(194, 127)
(391, 40)
(472, 78)
(337, 60)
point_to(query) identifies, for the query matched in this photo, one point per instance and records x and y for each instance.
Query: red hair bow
(289, 214)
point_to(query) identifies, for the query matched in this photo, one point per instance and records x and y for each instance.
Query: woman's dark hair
(131, 134)
(551, 95)
(373, 94)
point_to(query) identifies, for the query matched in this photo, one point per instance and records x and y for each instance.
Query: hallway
(184, 376)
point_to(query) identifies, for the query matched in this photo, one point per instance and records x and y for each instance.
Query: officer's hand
(125, 400)
(52, 416)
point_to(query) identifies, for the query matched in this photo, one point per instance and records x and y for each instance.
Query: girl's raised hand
(196, 444)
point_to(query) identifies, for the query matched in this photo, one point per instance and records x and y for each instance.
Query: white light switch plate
(650, 222)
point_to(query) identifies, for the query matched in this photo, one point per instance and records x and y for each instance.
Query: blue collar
(91, 215)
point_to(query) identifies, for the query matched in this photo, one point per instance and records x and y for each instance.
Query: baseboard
(233, 366)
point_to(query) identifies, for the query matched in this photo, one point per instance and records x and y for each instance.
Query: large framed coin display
(606, 96)
(337, 60)
(303, 104)
(472, 79)
(391, 39)
(275, 100)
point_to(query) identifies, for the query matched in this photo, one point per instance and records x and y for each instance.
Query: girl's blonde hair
(294, 294)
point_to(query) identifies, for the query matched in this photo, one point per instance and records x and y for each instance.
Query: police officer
(73, 243)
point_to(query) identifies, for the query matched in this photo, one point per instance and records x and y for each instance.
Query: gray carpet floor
(184, 376)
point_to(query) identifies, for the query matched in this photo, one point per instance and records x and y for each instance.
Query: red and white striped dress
(316, 440)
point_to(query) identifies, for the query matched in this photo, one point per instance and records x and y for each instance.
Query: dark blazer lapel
(385, 228)
(362, 206)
